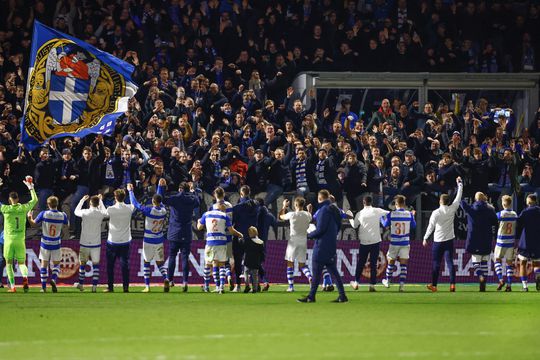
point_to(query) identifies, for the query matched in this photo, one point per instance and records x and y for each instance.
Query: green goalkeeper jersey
(15, 218)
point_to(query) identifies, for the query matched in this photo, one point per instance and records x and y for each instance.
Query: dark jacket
(375, 177)
(44, 174)
(179, 172)
(413, 174)
(329, 168)
(257, 174)
(245, 214)
(181, 208)
(528, 227)
(481, 219)
(355, 175)
(325, 235)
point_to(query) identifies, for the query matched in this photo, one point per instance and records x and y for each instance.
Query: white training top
(299, 223)
(506, 234)
(441, 221)
(91, 224)
(368, 220)
(119, 223)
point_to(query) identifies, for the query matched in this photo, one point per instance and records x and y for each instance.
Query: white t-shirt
(91, 223)
(299, 222)
(119, 223)
(368, 221)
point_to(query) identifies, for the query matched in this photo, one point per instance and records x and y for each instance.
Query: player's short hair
(13, 195)
(52, 202)
(94, 201)
(531, 199)
(245, 190)
(325, 194)
(445, 199)
(219, 192)
(399, 199)
(480, 196)
(368, 200)
(300, 202)
(506, 200)
(119, 195)
(87, 148)
(157, 198)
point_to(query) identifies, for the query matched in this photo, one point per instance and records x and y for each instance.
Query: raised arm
(459, 194)
(78, 209)
(34, 199)
(133, 199)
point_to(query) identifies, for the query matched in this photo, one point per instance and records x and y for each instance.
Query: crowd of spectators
(215, 106)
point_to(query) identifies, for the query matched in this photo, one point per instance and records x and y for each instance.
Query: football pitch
(197, 326)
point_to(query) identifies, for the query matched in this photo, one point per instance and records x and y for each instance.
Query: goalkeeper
(15, 232)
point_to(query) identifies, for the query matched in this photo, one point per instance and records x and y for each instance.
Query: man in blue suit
(179, 234)
(324, 251)
(528, 226)
(481, 219)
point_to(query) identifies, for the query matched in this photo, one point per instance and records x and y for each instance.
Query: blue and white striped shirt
(228, 211)
(154, 219)
(216, 223)
(506, 234)
(51, 226)
(401, 223)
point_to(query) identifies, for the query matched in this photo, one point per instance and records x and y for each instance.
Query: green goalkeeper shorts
(15, 250)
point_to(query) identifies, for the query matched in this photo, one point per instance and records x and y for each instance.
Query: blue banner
(73, 88)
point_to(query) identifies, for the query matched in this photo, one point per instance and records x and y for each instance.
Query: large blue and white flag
(73, 89)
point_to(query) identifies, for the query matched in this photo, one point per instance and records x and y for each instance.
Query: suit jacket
(481, 219)
(528, 227)
(325, 235)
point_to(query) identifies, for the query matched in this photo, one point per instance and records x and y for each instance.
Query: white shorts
(89, 254)
(215, 253)
(153, 252)
(50, 255)
(507, 253)
(524, 258)
(479, 258)
(296, 252)
(397, 251)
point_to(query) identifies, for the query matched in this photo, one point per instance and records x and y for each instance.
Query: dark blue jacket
(528, 227)
(481, 219)
(181, 206)
(245, 214)
(325, 235)
(265, 221)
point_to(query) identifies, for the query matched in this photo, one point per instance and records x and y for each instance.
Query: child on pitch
(253, 256)
(297, 245)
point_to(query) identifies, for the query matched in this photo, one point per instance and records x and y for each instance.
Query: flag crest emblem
(73, 89)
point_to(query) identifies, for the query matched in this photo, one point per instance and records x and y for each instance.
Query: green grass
(197, 326)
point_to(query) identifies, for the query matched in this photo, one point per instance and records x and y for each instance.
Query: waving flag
(73, 88)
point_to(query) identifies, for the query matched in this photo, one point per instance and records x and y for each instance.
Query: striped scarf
(301, 180)
(319, 169)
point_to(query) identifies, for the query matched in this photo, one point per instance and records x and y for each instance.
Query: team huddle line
(233, 244)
